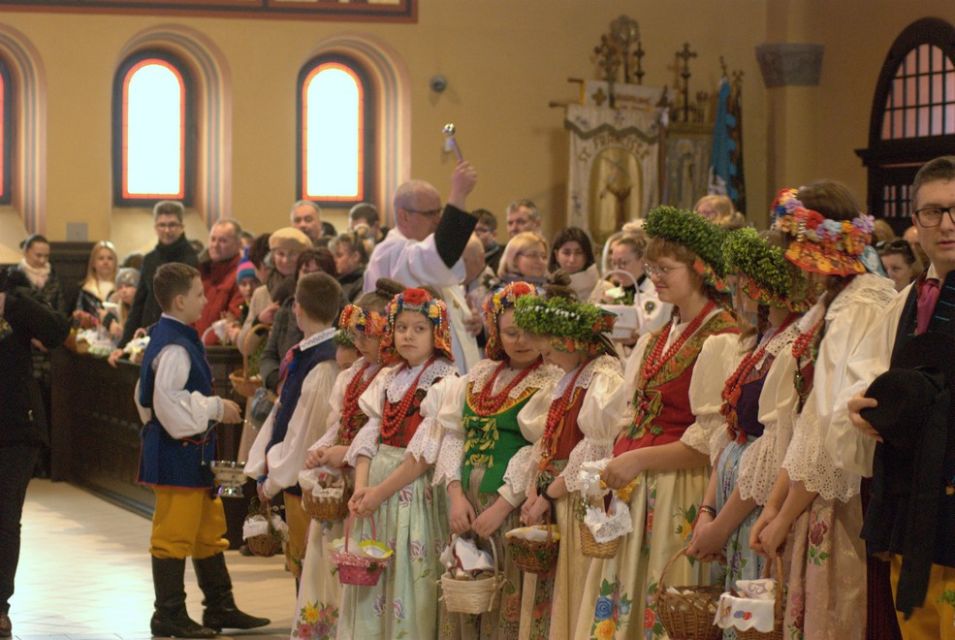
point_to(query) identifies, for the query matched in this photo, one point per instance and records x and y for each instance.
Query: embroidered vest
(491, 441)
(164, 460)
(298, 369)
(662, 409)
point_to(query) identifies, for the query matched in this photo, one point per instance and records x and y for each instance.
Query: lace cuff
(426, 442)
(520, 470)
(364, 444)
(450, 458)
(699, 434)
(758, 468)
(328, 439)
(807, 461)
(587, 450)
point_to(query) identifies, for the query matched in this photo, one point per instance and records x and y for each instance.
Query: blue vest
(298, 369)
(166, 461)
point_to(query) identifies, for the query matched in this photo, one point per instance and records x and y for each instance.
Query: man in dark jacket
(23, 317)
(172, 247)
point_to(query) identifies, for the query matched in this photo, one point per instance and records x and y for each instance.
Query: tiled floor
(85, 573)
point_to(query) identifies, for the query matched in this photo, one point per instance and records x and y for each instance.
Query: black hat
(912, 417)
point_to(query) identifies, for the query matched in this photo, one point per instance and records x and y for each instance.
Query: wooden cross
(638, 56)
(686, 54)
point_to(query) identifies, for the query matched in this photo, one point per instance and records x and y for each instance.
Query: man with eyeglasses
(911, 515)
(172, 246)
(432, 245)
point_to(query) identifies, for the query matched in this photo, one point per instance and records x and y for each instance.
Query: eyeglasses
(932, 216)
(105, 243)
(535, 255)
(659, 271)
(897, 246)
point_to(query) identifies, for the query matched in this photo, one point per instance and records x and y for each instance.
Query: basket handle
(245, 347)
(777, 562)
(661, 585)
(348, 523)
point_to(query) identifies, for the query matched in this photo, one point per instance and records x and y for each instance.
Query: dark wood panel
(96, 440)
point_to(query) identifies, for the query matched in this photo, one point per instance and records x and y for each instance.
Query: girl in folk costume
(660, 460)
(581, 423)
(813, 502)
(487, 448)
(745, 445)
(316, 613)
(392, 456)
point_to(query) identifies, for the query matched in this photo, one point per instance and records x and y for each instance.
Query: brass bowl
(230, 476)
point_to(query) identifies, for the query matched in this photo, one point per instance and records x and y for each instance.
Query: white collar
(169, 317)
(314, 339)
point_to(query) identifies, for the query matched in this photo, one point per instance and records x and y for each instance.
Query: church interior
(595, 110)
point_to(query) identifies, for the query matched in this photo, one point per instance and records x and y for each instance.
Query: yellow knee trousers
(297, 521)
(935, 619)
(187, 522)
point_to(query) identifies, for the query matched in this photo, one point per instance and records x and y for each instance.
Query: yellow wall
(505, 61)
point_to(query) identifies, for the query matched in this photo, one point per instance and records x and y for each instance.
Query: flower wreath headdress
(433, 309)
(370, 323)
(764, 273)
(494, 305)
(697, 234)
(580, 326)
(821, 245)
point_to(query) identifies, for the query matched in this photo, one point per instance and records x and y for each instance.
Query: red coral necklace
(487, 403)
(394, 414)
(353, 391)
(555, 418)
(657, 359)
(734, 384)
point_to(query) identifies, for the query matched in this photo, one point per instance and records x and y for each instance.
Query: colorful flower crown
(821, 245)
(764, 273)
(697, 234)
(370, 323)
(419, 301)
(580, 325)
(494, 305)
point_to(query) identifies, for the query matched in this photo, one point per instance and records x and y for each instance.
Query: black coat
(22, 418)
(145, 310)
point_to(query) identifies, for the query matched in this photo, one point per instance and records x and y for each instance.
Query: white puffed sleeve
(371, 403)
(330, 437)
(847, 328)
(597, 420)
(447, 469)
(426, 441)
(849, 448)
(521, 468)
(718, 359)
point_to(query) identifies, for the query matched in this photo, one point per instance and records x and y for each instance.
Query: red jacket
(222, 295)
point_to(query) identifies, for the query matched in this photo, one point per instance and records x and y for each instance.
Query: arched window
(335, 131)
(6, 133)
(154, 133)
(913, 115)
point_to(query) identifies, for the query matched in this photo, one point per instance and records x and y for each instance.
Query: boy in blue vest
(298, 419)
(177, 405)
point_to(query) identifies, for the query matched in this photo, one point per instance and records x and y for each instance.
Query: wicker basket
(689, 614)
(472, 596)
(593, 549)
(536, 557)
(358, 570)
(268, 544)
(778, 613)
(244, 384)
(326, 509)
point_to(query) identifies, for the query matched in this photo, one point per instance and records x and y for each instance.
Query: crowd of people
(691, 387)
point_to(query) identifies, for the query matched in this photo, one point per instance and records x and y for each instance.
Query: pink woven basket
(358, 570)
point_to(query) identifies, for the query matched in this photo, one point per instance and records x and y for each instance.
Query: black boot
(171, 618)
(221, 612)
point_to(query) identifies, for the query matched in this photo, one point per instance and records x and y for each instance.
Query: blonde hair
(721, 204)
(515, 246)
(102, 245)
